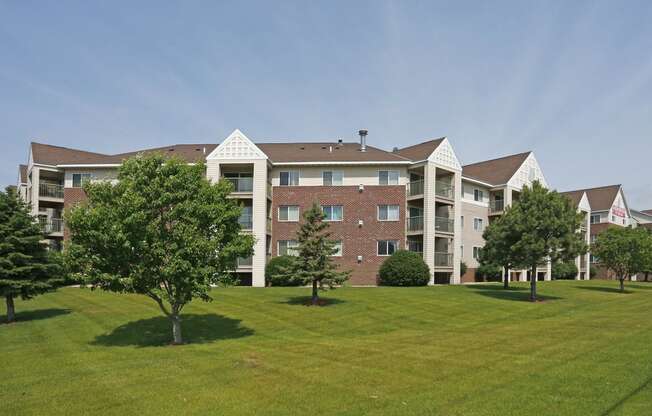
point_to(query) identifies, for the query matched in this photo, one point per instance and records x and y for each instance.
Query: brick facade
(356, 240)
(71, 196)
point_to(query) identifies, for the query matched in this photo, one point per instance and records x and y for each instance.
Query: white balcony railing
(245, 261)
(415, 188)
(50, 190)
(414, 223)
(51, 225)
(444, 225)
(443, 259)
(242, 184)
(497, 205)
(444, 189)
(246, 221)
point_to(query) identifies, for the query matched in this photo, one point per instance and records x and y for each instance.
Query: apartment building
(376, 201)
(488, 187)
(608, 208)
(580, 200)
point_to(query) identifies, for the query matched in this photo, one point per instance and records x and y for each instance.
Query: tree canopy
(500, 237)
(26, 268)
(162, 230)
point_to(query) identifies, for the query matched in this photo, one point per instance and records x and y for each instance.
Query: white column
(548, 275)
(457, 237)
(430, 176)
(35, 189)
(259, 213)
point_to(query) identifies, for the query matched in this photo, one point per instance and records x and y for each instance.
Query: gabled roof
(647, 211)
(326, 152)
(495, 171)
(420, 151)
(601, 198)
(574, 196)
(22, 171)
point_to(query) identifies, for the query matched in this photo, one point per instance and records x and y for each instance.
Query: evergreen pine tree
(26, 269)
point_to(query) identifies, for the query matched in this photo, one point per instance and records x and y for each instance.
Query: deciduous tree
(163, 230)
(500, 237)
(624, 251)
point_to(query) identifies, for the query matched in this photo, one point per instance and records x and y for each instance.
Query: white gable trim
(237, 146)
(528, 172)
(584, 203)
(444, 155)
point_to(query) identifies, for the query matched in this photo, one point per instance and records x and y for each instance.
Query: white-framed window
(595, 219)
(478, 195)
(288, 248)
(332, 177)
(387, 247)
(338, 247)
(388, 212)
(476, 252)
(289, 178)
(288, 213)
(613, 219)
(79, 179)
(333, 212)
(478, 224)
(388, 177)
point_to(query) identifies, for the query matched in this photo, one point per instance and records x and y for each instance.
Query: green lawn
(456, 350)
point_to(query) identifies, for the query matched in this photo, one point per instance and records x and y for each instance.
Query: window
(287, 248)
(613, 218)
(332, 177)
(478, 195)
(595, 218)
(387, 177)
(288, 213)
(388, 212)
(478, 224)
(387, 247)
(338, 247)
(79, 179)
(476, 252)
(290, 178)
(332, 212)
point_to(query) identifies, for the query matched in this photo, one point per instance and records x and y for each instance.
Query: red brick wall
(356, 206)
(71, 196)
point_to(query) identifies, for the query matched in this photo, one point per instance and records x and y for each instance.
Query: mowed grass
(456, 350)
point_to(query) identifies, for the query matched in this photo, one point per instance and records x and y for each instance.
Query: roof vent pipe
(363, 140)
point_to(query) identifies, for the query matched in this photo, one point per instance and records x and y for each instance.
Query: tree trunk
(315, 293)
(533, 284)
(622, 284)
(11, 310)
(646, 275)
(506, 279)
(176, 328)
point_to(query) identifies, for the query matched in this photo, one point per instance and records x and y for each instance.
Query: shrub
(273, 271)
(463, 268)
(565, 270)
(404, 268)
(489, 272)
(592, 272)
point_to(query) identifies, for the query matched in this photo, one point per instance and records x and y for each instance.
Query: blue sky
(571, 81)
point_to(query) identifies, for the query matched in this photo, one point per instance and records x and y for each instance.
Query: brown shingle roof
(326, 152)
(22, 169)
(495, 171)
(574, 196)
(420, 151)
(647, 211)
(601, 198)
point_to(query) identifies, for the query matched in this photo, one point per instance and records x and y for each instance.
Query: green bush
(404, 268)
(463, 268)
(564, 271)
(592, 272)
(489, 272)
(274, 269)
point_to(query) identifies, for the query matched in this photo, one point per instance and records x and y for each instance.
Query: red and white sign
(619, 212)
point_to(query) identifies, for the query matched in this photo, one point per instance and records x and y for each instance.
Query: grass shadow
(519, 294)
(604, 289)
(306, 301)
(196, 329)
(36, 315)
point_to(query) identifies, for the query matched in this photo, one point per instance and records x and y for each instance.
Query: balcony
(415, 188)
(443, 259)
(496, 206)
(414, 223)
(582, 262)
(242, 184)
(415, 246)
(444, 225)
(245, 262)
(444, 190)
(246, 221)
(51, 225)
(50, 190)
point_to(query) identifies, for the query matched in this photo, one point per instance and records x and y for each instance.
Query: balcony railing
(242, 184)
(415, 188)
(497, 205)
(444, 225)
(444, 189)
(583, 262)
(416, 246)
(414, 223)
(443, 259)
(246, 222)
(245, 261)
(51, 225)
(50, 190)
(269, 189)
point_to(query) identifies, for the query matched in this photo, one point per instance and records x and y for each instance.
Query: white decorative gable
(529, 172)
(584, 203)
(445, 155)
(237, 146)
